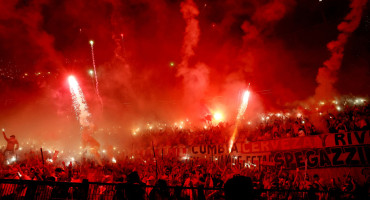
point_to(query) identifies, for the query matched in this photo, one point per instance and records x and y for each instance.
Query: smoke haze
(168, 60)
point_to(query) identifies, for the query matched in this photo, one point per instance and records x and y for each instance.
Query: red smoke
(216, 50)
(272, 11)
(195, 79)
(328, 74)
(28, 21)
(192, 32)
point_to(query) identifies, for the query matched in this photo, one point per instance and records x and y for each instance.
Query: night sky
(167, 59)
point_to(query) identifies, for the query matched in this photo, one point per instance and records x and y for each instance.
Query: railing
(40, 190)
(24, 189)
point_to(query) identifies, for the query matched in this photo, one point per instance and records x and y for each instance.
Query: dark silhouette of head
(239, 187)
(133, 177)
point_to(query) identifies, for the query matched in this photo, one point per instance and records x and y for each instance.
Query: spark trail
(83, 115)
(241, 112)
(95, 74)
(79, 102)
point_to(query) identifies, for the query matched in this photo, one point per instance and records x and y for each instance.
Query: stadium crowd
(168, 174)
(266, 127)
(200, 173)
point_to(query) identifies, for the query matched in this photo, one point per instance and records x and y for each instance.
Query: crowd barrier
(40, 190)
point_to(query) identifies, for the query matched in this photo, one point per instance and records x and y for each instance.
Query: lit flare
(241, 112)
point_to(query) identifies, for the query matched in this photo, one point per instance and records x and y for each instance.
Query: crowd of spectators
(266, 127)
(167, 172)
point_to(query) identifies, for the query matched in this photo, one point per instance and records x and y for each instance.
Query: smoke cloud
(215, 49)
(195, 79)
(192, 32)
(328, 74)
(27, 19)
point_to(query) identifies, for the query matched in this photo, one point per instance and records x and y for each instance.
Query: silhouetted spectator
(160, 191)
(135, 188)
(239, 187)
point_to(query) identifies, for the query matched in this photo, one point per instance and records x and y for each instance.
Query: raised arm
(5, 136)
(296, 176)
(354, 185)
(281, 170)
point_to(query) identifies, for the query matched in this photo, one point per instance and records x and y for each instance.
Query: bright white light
(114, 160)
(13, 159)
(338, 108)
(72, 81)
(322, 103)
(263, 118)
(249, 123)
(218, 116)
(104, 151)
(91, 72)
(91, 42)
(267, 118)
(246, 96)
(359, 101)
